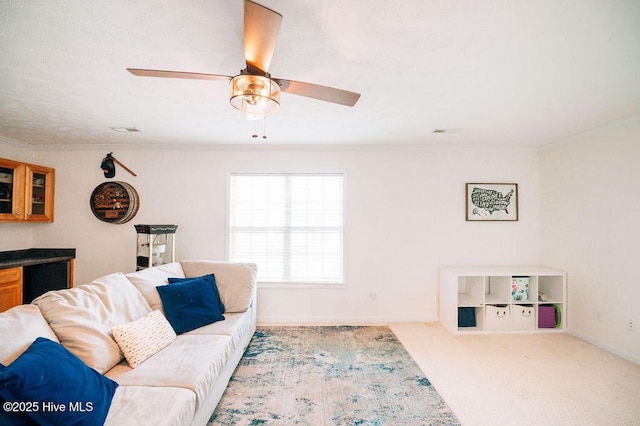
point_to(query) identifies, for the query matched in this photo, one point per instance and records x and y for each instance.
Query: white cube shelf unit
(485, 296)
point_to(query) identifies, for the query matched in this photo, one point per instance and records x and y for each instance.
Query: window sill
(302, 286)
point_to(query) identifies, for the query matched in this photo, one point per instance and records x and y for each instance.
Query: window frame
(293, 284)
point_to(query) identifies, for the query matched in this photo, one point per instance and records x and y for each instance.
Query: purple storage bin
(546, 316)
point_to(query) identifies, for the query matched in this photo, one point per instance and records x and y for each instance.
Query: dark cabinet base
(38, 279)
(32, 272)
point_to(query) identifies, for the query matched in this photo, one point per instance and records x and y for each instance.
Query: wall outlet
(597, 315)
(373, 295)
(631, 326)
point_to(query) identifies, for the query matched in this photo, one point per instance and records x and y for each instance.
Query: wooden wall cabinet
(10, 288)
(26, 192)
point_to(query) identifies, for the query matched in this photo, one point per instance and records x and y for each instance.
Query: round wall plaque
(114, 202)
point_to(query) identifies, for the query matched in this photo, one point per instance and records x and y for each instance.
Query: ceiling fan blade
(315, 91)
(261, 28)
(177, 74)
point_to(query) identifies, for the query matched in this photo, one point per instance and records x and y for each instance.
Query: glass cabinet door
(39, 194)
(11, 190)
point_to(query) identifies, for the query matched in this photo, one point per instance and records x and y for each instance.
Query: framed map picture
(492, 201)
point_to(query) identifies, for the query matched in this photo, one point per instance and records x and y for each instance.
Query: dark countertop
(34, 256)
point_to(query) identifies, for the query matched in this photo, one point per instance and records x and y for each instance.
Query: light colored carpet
(329, 375)
(525, 379)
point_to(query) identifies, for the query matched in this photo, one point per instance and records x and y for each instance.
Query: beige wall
(579, 210)
(590, 210)
(404, 219)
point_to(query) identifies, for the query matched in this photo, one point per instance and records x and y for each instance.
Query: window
(290, 225)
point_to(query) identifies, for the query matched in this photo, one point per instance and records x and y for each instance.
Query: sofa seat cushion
(236, 281)
(19, 327)
(190, 362)
(148, 279)
(236, 325)
(82, 317)
(138, 405)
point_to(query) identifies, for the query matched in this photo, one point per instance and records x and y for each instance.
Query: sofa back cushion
(236, 281)
(19, 327)
(148, 279)
(82, 317)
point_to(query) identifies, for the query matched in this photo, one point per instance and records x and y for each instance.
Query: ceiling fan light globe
(254, 94)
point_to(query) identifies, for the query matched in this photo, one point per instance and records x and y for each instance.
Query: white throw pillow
(140, 339)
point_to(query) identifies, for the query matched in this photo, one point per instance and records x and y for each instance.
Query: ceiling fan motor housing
(255, 94)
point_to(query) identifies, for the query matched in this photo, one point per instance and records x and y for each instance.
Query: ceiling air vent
(445, 130)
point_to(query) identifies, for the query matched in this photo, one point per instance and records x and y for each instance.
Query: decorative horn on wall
(109, 168)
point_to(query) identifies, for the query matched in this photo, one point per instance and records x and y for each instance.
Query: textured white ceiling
(507, 72)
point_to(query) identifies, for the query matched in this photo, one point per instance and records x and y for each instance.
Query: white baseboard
(264, 320)
(624, 355)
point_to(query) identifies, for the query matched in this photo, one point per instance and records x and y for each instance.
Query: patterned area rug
(328, 375)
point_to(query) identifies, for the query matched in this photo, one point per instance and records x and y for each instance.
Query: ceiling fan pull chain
(264, 128)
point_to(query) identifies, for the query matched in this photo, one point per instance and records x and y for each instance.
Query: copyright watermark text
(47, 406)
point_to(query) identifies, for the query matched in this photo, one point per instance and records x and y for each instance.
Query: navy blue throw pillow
(56, 387)
(190, 304)
(12, 415)
(214, 287)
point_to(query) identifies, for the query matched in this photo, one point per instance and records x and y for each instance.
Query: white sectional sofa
(180, 384)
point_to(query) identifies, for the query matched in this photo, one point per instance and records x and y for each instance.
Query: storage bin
(466, 317)
(523, 317)
(546, 316)
(497, 317)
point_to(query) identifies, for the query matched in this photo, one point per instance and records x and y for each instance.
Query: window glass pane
(290, 225)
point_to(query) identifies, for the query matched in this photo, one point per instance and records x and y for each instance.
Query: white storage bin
(497, 317)
(523, 317)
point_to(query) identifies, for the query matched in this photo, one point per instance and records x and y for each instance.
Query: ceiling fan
(254, 91)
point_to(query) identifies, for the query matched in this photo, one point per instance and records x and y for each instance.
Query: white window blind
(290, 225)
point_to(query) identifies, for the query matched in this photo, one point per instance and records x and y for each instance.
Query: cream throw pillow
(142, 338)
